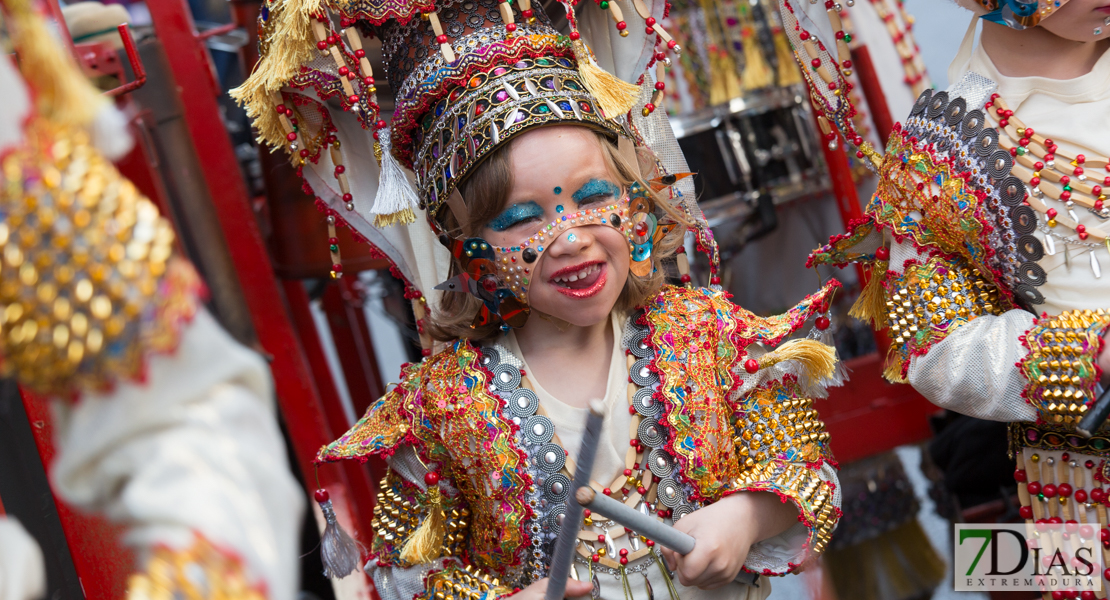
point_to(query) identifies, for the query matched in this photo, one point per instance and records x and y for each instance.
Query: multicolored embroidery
(447, 408)
(699, 336)
(1061, 366)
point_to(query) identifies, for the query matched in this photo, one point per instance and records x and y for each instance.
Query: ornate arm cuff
(457, 583)
(1061, 365)
(816, 498)
(400, 509)
(927, 302)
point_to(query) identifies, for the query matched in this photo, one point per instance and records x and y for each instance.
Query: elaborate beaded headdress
(467, 76)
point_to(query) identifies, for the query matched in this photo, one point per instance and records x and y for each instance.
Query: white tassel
(396, 201)
(338, 551)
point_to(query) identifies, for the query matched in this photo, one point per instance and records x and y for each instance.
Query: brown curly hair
(486, 192)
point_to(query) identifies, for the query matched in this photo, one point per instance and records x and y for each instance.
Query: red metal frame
(299, 392)
(344, 302)
(873, 92)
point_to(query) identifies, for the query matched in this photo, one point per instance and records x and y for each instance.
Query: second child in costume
(558, 222)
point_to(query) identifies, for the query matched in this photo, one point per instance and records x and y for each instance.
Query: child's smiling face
(559, 171)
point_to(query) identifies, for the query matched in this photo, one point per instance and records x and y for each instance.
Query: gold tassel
(757, 73)
(892, 372)
(426, 543)
(616, 97)
(788, 69)
(403, 217)
(871, 304)
(288, 46)
(818, 359)
(62, 92)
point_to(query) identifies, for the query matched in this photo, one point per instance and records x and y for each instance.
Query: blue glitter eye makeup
(515, 214)
(595, 189)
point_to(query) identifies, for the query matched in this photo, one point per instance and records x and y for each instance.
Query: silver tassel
(396, 202)
(338, 551)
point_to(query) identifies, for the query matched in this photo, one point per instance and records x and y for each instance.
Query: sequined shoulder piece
(389, 420)
(772, 330)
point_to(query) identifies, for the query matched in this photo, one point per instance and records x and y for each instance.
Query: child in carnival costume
(553, 197)
(988, 235)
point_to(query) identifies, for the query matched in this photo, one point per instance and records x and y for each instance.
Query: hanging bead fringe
(338, 551)
(396, 201)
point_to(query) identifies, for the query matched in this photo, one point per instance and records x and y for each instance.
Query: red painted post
(873, 92)
(298, 392)
(343, 302)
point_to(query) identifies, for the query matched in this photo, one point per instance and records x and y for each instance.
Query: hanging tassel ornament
(333, 249)
(62, 92)
(396, 202)
(816, 359)
(823, 332)
(338, 552)
(615, 97)
(426, 543)
(871, 305)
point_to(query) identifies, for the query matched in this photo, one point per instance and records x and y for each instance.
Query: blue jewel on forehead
(558, 190)
(558, 207)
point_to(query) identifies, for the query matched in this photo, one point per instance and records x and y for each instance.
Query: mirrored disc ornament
(551, 458)
(669, 493)
(506, 377)
(523, 403)
(555, 518)
(651, 433)
(660, 463)
(637, 346)
(645, 404)
(538, 429)
(680, 511)
(490, 357)
(641, 374)
(557, 487)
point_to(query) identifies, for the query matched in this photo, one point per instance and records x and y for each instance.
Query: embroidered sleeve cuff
(457, 583)
(926, 303)
(813, 490)
(1061, 367)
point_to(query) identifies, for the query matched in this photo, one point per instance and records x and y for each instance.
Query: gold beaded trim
(929, 301)
(776, 429)
(202, 572)
(1060, 366)
(453, 583)
(88, 282)
(813, 495)
(398, 512)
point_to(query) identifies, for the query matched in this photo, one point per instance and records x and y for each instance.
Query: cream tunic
(973, 371)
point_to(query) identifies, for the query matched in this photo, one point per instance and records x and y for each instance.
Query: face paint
(596, 189)
(516, 214)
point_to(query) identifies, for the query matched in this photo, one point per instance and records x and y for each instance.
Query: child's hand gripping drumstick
(644, 525)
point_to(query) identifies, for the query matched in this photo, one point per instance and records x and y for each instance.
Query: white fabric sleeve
(194, 448)
(22, 571)
(974, 370)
